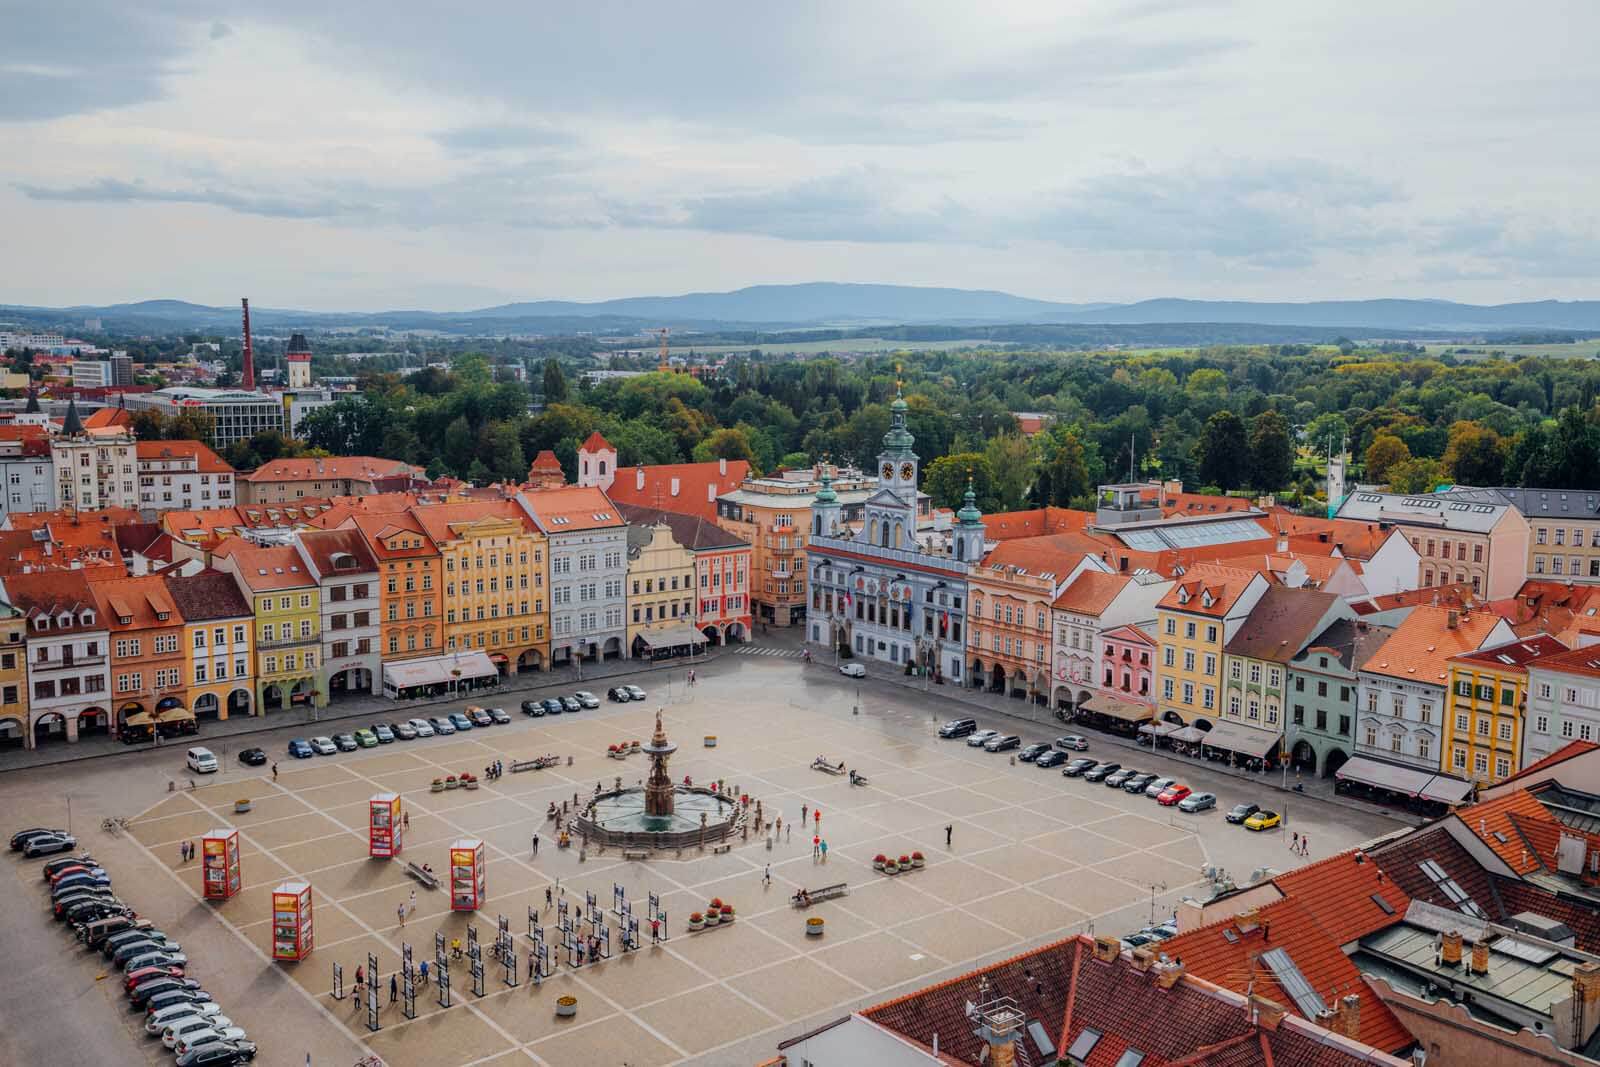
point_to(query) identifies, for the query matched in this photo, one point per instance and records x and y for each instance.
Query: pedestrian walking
(183, 853)
(394, 989)
(804, 809)
(824, 852)
(361, 975)
(1294, 842)
(1305, 846)
(424, 969)
(788, 835)
(533, 963)
(816, 846)
(400, 913)
(411, 904)
(535, 844)
(766, 877)
(274, 770)
(949, 828)
(405, 819)
(546, 898)
(816, 818)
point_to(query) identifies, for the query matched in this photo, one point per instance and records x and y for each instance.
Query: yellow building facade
(285, 602)
(493, 561)
(1194, 621)
(1486, 710)
(13, 675)
(218, 645)
(660, 581)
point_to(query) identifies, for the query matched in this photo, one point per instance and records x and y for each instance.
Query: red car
(1172, 794)
(135, 977)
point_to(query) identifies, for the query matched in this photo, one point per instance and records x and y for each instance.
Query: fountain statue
(657, 813)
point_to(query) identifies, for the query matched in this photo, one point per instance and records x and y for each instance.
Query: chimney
(1107, 949)
(674, 487)
(1586, 983)
(1450, 949)
(1168, 973)
(1350, 1016)
(1143, 957)
(1480, 957)
(247, 377)
(1452, 618)
(722, 467)
(1268, 1014)
(638, 479)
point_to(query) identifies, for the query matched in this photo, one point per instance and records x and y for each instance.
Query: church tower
(967, 542)
(825, 510)
(892, 510)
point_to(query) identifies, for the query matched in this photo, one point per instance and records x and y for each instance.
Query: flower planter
(814, 927)
(471, 783)
(917, 861)
(438, 786)
(713, 918)
(451, 783)
(634, 746)
(697, 921)
(727, 914)
(890, 867)
(878, 861)
(241, 806)
(566, 1007)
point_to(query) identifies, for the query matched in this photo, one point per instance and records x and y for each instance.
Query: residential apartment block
(186, 475)
(1467, 536)
(346, 573)
(1195, 621)
(1485, 708)
(588, 552)
(219, 655)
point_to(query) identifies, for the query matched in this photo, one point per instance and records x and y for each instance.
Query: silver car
(1198, 802)
(191, 1027)
(176, 1013)
(979, 738)
(1157, 787)
(423, 727)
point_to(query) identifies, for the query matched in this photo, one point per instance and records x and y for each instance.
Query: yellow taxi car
(1263, 820)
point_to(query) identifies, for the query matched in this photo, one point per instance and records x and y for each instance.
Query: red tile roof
(595, 443)
(325, 547)
(1458, 595)
(1005, 525)
(266, 570)
(141, 601)
(1402, 858)
(1226, 953)
(330, 468)
(1520, 653)
(206, 461)
(53, 593)
(442, 522)
(1584, 660)
(1530, 832)
(1421, 646)
(107, 416)
(1053, 554)
(1223, 584)
(687, 488)
(1091, 592)
(571, 508)
(1338, 893)
(33, 520)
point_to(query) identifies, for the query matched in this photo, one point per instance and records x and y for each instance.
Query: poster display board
(467, 891)
(291, 921)
(219, 861)
(384, 824)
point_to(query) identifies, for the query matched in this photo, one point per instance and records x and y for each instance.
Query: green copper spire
(898, 441)
(826, 495)
(969, 515)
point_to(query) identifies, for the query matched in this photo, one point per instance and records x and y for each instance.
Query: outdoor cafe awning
(1188, 735)
(1111, 707)
(1242, 739)
(178, 714)
(438, 670)
(671, 635)
(1390, 776)
(1159, 729)
(1446, 789)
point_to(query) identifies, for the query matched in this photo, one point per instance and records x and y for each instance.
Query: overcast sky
(356, 155)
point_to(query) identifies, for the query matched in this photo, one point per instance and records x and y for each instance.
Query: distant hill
(846, 305)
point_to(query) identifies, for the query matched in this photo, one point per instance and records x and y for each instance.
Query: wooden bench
(534, 764)
(717, 850)
(635, 853)
(813, 896)
(429, 880)
(824, 765)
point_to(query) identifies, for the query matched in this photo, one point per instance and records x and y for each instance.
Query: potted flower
(450, 782)
(713, 916)
(917, 859)
(566, 1007)
(814, 926)
(878, 861)
(716, 902)
(634, 745)
(727, 913)
(470, 781)
(241, 805)
(438, 786)
(611, 750)
(696, 921)
(889, 866)
(905, 863)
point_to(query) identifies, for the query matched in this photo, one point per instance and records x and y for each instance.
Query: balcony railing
(280, 642)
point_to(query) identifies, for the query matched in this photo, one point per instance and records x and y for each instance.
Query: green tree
(1327, 432)
(555, 382)
(1271, 452)
(1009, 457)
(1064, 475)
(726, 444)
(945, 480)
(1222, 454)
(1414, 476)
(502, 453)
(1475, 455)
(1385, 451)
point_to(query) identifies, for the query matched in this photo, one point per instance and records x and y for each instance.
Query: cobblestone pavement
(1034, 857)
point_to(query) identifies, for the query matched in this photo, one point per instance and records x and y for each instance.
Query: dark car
(1052, 758)
(499, 715)
(532, 707)
(56, 866)
(88, 912)
(403, 730)
(1240, 812)
(1101, 771)
(571, 704)
(67, 901)
(958, 728)
(142, 992)
(1080, 766)
(128, 937)
(68, 882)
(253, 757)
(1138, 783)
(300, 748)
(175, 996)
(345, 742)
(1032, 752)
(552, 706)
(618, 694)
(218, 1054)
(383, 732)
(1002, 743)
(20, 838)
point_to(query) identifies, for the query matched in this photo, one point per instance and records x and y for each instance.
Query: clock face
(907, 470)
(888, 470)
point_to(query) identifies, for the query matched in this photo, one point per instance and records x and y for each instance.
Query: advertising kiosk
(383, 825)
(219, 859)
(291, 921)
(466, 874)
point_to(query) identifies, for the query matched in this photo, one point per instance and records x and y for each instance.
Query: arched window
(602, 468)
(872, 529)
(961, 548)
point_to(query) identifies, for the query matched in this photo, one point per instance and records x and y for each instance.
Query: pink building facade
(1127, 665)
(722, 576)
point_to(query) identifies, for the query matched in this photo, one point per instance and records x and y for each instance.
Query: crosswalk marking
(767, 650)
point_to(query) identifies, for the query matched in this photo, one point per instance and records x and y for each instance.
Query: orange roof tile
(140, 601)
(1421, 646)
(1053, 554)
(440, 521)
(595, 442)
(107, 416)
(1517, 828)
(1091, 592)
(1223, 584)
(571, 508)
(1005, 525)
(33, 520)
(334, 468)
(1338, 893)
(685, 488)
(268, 569)
(207, 461)
(1513, 655)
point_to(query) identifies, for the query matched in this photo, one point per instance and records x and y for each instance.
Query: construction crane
(662, 365)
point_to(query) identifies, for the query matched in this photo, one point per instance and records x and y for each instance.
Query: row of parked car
(1168, 792)
(154, 967)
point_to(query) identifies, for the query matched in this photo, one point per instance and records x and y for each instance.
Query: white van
(201, 761)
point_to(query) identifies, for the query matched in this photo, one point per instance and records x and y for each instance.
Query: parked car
(345, 742)
(1158, 786)
(552, 706)
(61, 862)
(300, 748)
(1032, 752)
(1001, 743)
(1117, 778)
(1137, 783)
(958, 728)
(442, 725)
(460, 721)
(94, 933)
(1173, 794)
(1080, 766)
(1197, 802)
(403, 730)
(383, 732)
(201, 761)
(1240, 812)
(1101, 771)
(83, 914)
(852, 670)
(78, 868)
(223, 1035)
(67, 883)
(151, 986)
(1263, 820)
(323, 746)
(480, 717)
(133, 978)
(150, 941)
(1073, 743)
(634, 691)
(48, 844)
(587, 699)
(979, 738)
(64, 905)
(499, 716)
(366, 738)
(157, 1021)
(20, 838)
(191, 1026)
(1161, 931)
(158, 956)
(570, 704)
(179, 998)
(423, 727)
(218, 1054)
(1052, 758)
(129, 937)
(619, 694)
(253, 757)
(533, 708)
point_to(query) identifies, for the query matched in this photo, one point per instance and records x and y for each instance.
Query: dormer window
(64, 619)
(1183, 595)
(124, 620)
(1206, 600)
(41, 622)
(87, 618)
